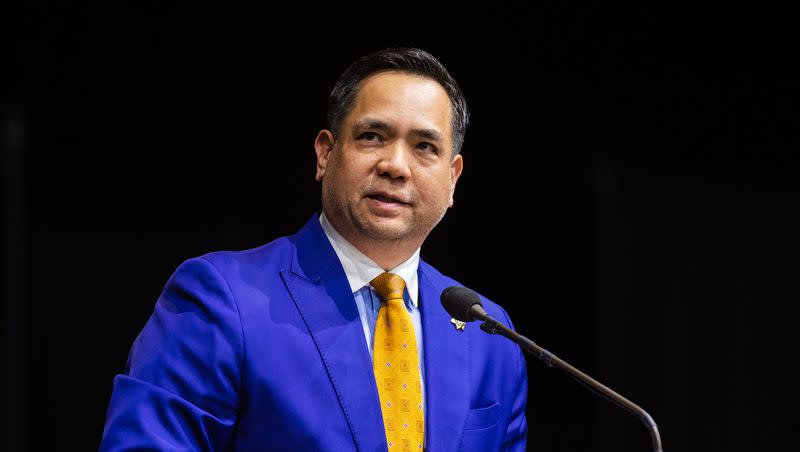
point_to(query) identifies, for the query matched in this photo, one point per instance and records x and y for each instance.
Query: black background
(629, 193)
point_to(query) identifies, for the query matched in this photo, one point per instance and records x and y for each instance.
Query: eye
(370, 137)
(427, 147)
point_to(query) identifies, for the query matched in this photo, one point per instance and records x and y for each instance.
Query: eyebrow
(377, 124)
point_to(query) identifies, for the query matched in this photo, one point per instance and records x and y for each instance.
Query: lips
(387, 197)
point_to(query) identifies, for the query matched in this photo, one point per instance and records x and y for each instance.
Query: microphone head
(458, 302)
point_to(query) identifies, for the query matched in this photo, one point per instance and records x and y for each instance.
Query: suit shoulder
(267, 254)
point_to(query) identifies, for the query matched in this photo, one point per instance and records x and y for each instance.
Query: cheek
(354, 169)
(435, 188)
(348, 183)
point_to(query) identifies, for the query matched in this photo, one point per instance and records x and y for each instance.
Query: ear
(323, 146)
(456, 166)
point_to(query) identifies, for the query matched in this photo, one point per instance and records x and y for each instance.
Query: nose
(395, 161)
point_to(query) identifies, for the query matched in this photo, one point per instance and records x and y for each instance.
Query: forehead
(401, 99)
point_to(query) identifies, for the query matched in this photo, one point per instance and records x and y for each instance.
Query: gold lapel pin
(458, 323)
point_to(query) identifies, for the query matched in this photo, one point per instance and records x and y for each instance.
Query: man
(334, 339)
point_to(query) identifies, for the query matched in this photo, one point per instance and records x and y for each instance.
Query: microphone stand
(492, 326)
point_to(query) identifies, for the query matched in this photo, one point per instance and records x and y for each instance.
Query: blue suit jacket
(263, 350)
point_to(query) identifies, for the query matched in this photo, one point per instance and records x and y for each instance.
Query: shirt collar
(360, 269)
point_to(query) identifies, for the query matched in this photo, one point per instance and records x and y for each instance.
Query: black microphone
(465, 305)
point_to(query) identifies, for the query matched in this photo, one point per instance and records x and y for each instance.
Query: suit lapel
(446, 368)
(320, 290)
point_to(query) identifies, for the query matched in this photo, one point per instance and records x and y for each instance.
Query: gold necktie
(395, 363)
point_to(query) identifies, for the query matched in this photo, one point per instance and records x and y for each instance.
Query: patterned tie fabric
(395, 363)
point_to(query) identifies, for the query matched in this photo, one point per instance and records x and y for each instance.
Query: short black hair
(403, 59)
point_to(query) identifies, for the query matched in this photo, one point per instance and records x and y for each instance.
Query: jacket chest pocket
(481, 418)
(480, 430)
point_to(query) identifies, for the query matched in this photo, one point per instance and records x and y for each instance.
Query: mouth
(386, 198)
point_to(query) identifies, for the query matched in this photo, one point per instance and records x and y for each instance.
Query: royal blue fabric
(263, 350)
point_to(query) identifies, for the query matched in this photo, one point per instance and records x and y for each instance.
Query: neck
(388, 254)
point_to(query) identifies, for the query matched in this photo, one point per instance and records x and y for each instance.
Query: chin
(386, 230)
(386, 233)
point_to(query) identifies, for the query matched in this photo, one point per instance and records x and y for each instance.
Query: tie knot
(389, 286)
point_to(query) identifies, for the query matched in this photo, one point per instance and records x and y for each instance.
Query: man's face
(389, 175)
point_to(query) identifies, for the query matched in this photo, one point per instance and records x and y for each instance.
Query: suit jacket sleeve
(180, 389)
(517, 430)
